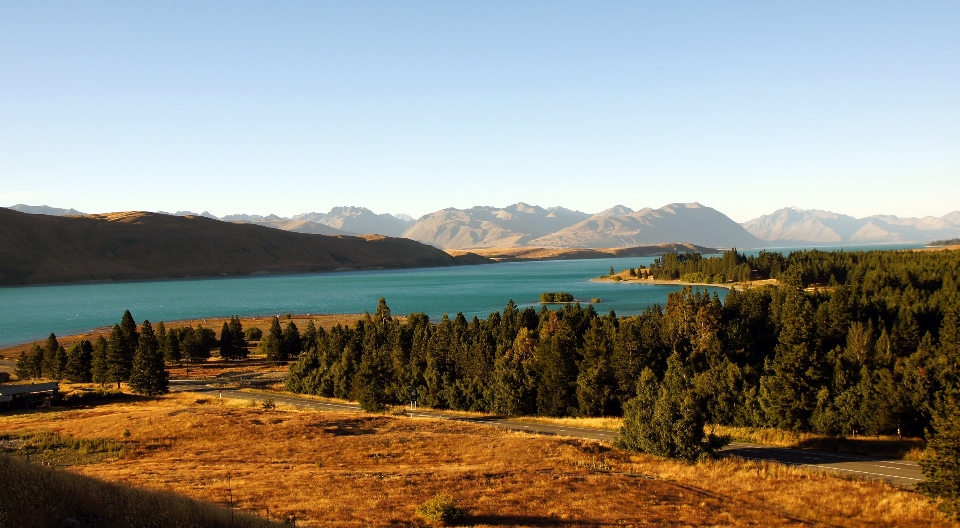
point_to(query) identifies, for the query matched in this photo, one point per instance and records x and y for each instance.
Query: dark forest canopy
(866, 351)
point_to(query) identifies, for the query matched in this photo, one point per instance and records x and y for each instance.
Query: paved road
(900, 472)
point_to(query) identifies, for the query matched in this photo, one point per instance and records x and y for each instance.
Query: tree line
(867, 352)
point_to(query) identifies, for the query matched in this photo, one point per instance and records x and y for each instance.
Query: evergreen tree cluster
(692, 267)
(129, 354)
(284, 343)
(233, 341)
(53, 361)
(866, 354)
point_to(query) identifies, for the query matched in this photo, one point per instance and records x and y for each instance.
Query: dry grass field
(354, 469)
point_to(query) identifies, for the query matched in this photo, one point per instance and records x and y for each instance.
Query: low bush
(556, 297)
(441, 508)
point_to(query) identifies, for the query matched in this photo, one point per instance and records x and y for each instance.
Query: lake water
(31, 312)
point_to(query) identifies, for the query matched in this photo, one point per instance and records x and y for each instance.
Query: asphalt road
(901, 472)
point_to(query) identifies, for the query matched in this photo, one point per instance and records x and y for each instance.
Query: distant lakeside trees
(132, 355)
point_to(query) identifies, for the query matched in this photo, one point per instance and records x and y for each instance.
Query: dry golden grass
(610, 423)
(355, 469)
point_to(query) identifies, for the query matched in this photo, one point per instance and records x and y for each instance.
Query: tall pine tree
(100, 365)
(119, 361)
(148, 376)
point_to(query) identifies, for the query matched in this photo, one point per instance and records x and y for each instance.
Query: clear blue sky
(285, 107)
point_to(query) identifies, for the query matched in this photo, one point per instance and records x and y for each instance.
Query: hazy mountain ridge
(523, 225)
(358, 220)
(486, 226)
(44, 209)
(791, 225)
(689, 223)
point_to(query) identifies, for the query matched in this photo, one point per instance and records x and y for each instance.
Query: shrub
(441, 508)
(268, 404)
(596, 300)
(941, 461)
(556, 297)
(253, 334)
(695, 277)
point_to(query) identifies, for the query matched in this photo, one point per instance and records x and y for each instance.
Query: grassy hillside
(354, 469)
(35, 496)
(37, 249)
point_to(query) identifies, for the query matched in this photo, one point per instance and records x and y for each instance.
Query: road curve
(901, 472)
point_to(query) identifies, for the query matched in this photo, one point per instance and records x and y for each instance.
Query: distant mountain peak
(44, 209)
(616, 210)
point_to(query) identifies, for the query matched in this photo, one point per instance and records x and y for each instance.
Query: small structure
(14, 396)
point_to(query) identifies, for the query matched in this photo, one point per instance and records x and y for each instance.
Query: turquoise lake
(30, 313)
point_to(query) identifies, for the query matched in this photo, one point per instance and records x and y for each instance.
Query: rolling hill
(37, 248)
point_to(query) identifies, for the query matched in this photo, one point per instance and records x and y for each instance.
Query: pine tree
(128, 329)
(171, 347)
(226, 343)
(49, 364)
(596, 383)
(291, 343)
(148, 376)
(118, 362)
(555, 360)
(239, 338)
(272, 345)
(513, 390)
(638, 432)
(941, 460)
(60, 363)
(79, 362)
(160, 330)
(673, 425)
(100, 365)
(30, 364)
(788, 393)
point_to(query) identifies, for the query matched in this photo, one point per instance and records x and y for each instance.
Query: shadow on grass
(882, 448)
(77, 400)
(525, 520)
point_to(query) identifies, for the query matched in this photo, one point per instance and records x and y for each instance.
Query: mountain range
(524, 225)
(792, 226)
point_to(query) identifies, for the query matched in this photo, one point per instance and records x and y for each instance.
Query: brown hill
(36, 249)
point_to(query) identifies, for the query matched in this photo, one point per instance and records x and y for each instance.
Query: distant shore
(739, 286)
(526, 254)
